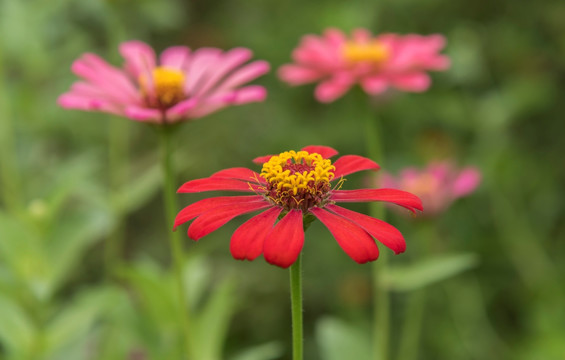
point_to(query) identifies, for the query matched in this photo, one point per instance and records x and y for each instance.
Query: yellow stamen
(168, 86)
(308, 171)
(365, 52)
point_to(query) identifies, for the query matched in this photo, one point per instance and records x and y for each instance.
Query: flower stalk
(177, 251)
(296, 308)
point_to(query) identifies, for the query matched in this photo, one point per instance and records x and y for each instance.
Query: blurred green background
(71, 180)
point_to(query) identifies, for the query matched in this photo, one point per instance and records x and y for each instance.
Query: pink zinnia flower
(294, 187)
(182, 84)
(438, 185)
(375, 62)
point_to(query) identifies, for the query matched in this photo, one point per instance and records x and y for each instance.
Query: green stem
(118, 163)
(177, 251)
(8, 164)
(296, 306)
(410, 340)
(381, 296)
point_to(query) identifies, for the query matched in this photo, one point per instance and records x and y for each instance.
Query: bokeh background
(488, 273)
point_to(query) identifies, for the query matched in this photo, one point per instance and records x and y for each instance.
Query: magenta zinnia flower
(182, 84)
(294, 187)
(375, 62)
(438, 185)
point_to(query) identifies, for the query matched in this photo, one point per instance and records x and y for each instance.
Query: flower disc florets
(372, 52)
(298, 180)
(168, 86)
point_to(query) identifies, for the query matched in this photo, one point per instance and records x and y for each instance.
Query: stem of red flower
(177, 251)
(296, 308)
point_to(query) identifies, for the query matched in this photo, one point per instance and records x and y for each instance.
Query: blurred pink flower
(438, 185)
(180, 85)
(376, 63)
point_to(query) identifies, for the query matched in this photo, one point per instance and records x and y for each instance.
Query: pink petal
(203, 61)
(374, 85)
(385, 233)
(326, 151)
(212, 220)
(355, 241)
(244, 75)
(361, 35)
(247, 241)
(398, 197)
(284, 243)
(297, 74)
(175, 57)
(329, 90)
(202, 206)
(140, 58)
(416, 82)
(182, 108)
(213, 184)
(226, 63)
(349, 164)
(239, 173)
(72, 101)
(335, 37)
(252, 93)
(143, 114)
(466, 182)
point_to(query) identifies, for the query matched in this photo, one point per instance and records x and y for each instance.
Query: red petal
(202, 206)
(326, 151)
(211, 184)
(214, 219)
(262, 159)
(239, 173)
(355, 241)
(349, 164)
(387, 234)
(284, 243)
(398, 197)
(247, 241)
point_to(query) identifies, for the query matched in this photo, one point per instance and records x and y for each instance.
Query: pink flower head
(377, 63)
(294, 187)
(438, 185)
(182, 84)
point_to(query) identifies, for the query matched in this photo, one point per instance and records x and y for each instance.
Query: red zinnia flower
(293, 186)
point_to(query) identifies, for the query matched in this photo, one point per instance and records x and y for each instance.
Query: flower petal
(140, 58)
(329, 90)
(385, 233)
(205, 205)
(239, 173)
(349, 164)
(355, 241)
(326, 151)
(297, 74)
(398, 197)
(466, 182)
(213, 184)
(175, 57)
(284, 243)
(416, 82)
(247, 241)
(212, 220)
(262, 159)
(142, 114)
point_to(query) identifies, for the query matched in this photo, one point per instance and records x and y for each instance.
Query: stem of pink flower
(296, 308)
(177, 251)
(381, 296)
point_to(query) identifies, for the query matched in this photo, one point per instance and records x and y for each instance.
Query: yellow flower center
(298, 180)
(365, 52)
(168, 87)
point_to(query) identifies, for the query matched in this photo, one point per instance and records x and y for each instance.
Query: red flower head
(377, 63)
(294, 187)
(182, 84)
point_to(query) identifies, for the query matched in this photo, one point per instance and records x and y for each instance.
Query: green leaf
(212, 321)
(268, 351)
(428, 271)
(338, 340)
(17, 332)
